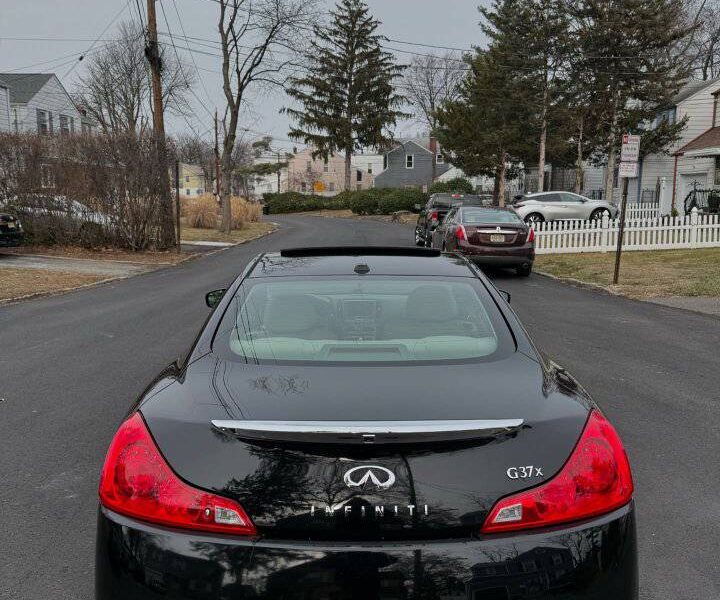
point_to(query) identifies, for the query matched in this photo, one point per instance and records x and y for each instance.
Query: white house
(40, 104)
(4, 107)
(697, 101)
(369, 161)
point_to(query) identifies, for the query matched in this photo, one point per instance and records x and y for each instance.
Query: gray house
(410, 165)
(4, 107)
(40, 104)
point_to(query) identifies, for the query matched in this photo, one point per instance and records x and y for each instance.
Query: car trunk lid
(277, 440)
(496, 234)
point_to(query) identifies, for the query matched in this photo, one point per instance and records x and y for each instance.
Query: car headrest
(431, 303)
(285, 315)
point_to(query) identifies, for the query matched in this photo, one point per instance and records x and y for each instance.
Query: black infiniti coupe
(365, 424)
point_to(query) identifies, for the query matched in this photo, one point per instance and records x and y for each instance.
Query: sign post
(629, 157)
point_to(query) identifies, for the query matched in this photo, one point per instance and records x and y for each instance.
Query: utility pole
(152, 53)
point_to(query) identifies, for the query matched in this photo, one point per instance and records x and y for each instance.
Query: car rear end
(442, 204)
(290, 464)
(495, 237)
(11, 231)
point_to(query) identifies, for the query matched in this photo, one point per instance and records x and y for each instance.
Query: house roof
(23, 86)
(706, 142)
(693, 87)
(403, 144)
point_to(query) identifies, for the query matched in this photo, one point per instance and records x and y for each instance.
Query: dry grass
(16, 283)
(248, 232)
(148, 257)
(203, 212)
(652, 274)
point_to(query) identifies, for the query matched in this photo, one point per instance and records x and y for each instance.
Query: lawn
(650, 274)
(16, 283)
(248, 232)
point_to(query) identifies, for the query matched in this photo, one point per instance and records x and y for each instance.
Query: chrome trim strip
(368, 431)
(502, 231)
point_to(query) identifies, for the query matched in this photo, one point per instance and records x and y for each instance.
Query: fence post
(694, 220)
(665, 198)
(605, 234)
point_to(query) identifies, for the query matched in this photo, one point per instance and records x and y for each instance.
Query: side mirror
(505, 295)
(212, 299)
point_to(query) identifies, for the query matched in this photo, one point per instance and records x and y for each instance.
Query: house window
(358, 175)
(187, 178)
(50, 122)
(331, 186)
(717, 170)
(187, 192)
(326, 166)
(409, 161)
(86, 128)
(370, 169)
(64, 125)
(440, 159)
(308, 166)
(385, 162)
(42, 122)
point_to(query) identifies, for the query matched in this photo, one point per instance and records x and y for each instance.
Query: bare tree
(259, 39)
(194, 150)
(703, 47)
(115, 89)
(429, 82)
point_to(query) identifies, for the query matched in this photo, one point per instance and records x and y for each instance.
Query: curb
(161, 266)
(583, 284)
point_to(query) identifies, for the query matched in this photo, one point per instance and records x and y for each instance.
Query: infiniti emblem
(381, 477)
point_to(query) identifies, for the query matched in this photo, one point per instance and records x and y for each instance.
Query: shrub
(376, 201)
(200, 212)
(459, 185)
(401, 200)
(243, 212)
(297, 202)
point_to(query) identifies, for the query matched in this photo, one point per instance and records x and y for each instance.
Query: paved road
(70, 365)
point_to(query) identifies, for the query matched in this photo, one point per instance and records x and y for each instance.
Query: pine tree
(532, 38)
(484, 131)
(347, 98)
(626, 59)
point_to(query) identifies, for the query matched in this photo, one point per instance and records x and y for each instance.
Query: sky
(56, 32)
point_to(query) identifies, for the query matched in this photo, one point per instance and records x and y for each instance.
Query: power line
(97, 39)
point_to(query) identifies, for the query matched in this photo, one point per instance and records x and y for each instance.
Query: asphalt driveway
(70, 365)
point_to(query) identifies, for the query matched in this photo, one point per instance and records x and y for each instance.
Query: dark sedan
(11, 231)
(488, 236)
(365, 423)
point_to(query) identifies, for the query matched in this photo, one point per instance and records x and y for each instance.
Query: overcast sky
(441, 23)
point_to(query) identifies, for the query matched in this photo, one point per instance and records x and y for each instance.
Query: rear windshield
(472, 217)
(449, 201)
(362, 320)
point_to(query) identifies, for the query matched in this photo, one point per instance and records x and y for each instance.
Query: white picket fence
(659, 233)
(643, 211)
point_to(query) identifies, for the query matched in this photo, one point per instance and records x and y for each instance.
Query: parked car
(558, 206)
(437, 207)
(357, 423)
(11, 231)
(488, 236)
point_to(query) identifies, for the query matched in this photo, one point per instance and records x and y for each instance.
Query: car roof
(407, 261)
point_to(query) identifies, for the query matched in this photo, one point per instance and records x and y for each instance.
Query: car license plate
(497, 238)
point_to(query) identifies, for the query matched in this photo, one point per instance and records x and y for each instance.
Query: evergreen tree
(484, 131)
(347, 99)
(627, 63)
(532, 38)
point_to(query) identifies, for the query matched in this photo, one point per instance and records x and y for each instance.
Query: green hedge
(459, 185)
(365, 202)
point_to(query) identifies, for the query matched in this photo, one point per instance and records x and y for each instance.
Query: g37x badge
(527, 472)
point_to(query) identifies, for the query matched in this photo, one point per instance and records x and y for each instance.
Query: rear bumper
(508, 256)
(593, 560)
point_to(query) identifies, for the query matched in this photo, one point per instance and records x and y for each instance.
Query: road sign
(628, 169)
(630, 148)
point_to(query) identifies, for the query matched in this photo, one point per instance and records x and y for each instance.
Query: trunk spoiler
(368, 432)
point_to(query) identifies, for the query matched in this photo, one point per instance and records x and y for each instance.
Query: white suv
(557, 206)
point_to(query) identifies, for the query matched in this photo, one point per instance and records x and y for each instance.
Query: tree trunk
(579, 175)
(543, 140)
(500, 181)
(226, 184)
(348, 169)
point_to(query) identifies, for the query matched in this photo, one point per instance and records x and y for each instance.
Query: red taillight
(531, 235)
(137, 482)
(594, 481)
(434, 216)
(460, 233)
